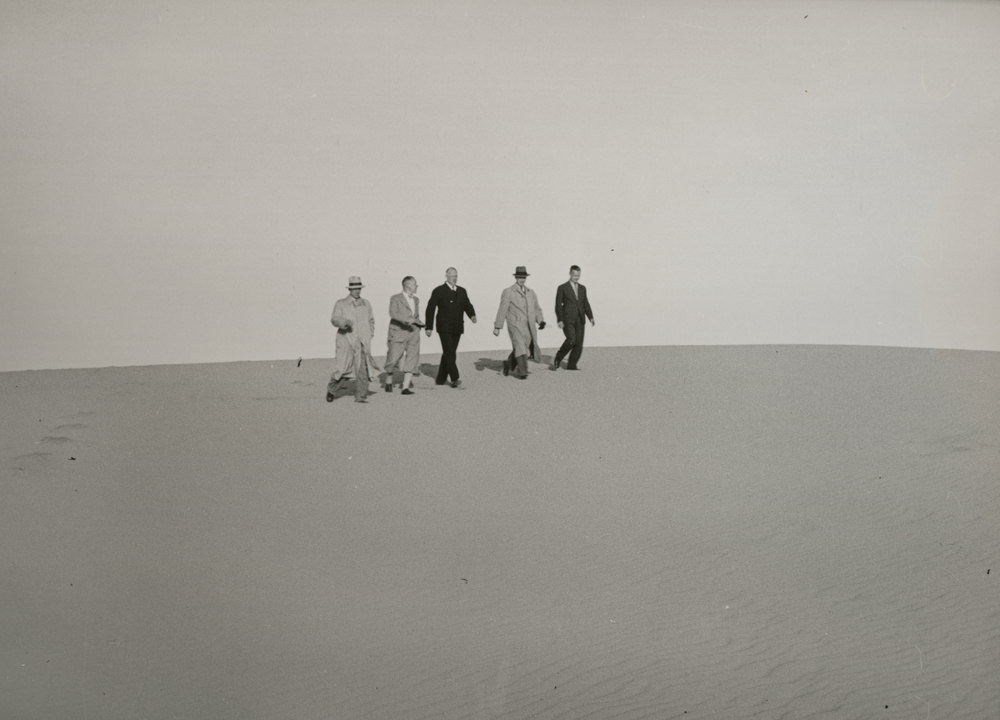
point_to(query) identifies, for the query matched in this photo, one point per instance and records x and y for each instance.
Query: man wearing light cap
(355, 323)
(520, 309)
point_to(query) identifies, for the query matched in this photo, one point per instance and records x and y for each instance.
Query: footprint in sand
(69, 427)
(29, 461)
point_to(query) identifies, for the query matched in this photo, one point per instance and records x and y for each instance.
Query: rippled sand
(715, 532)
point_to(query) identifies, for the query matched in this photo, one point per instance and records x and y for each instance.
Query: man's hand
(347, 324)
(428, 331)
(473, 319)
(496, 331)
(591, 322)
(560, 324)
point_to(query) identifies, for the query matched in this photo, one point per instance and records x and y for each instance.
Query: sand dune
(716, 532)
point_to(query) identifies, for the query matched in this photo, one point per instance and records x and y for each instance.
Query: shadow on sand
(397, 375)
(489, 364)
(497, 365)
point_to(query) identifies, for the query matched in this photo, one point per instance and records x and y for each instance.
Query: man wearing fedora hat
(355, 323)
(520, 309)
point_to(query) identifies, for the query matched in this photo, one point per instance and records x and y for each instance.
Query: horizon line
(505, 352)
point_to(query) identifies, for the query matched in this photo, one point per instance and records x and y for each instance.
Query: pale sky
(195, 181)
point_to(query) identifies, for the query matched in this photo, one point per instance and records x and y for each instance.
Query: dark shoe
(555, 365)
(572, 367)
(329, 397)
(388, 388)
(407, 392)
(456, 383)
(439, 382)
(506, 368)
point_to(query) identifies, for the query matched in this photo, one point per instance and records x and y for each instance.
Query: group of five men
(448, 305)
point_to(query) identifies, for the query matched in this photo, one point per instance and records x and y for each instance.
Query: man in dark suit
(572, 312)
(451, 303)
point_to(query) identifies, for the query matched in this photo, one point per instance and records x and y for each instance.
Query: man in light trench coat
(520, 309)
(355, 323)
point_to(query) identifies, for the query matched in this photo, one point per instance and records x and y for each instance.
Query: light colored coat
(354, 343)
(522, 314)
(403, 340)
(399, 310)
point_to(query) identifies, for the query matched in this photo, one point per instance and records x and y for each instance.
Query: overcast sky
(195, 181)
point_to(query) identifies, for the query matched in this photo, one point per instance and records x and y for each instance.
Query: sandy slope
(730, 532)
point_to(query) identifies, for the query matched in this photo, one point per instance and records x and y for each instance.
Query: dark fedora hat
(521, 271)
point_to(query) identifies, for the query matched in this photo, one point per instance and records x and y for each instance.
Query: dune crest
(671, 532)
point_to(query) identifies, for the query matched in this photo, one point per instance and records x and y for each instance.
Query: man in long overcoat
(520, 309)
(404, 335)
(355, 323)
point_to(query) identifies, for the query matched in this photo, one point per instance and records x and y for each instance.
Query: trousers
(573, 345)
(410, 348)
(360, 381)
(449, 349)
(518, 363)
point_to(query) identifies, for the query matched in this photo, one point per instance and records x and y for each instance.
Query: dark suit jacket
(451, 306)
(568, 307)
